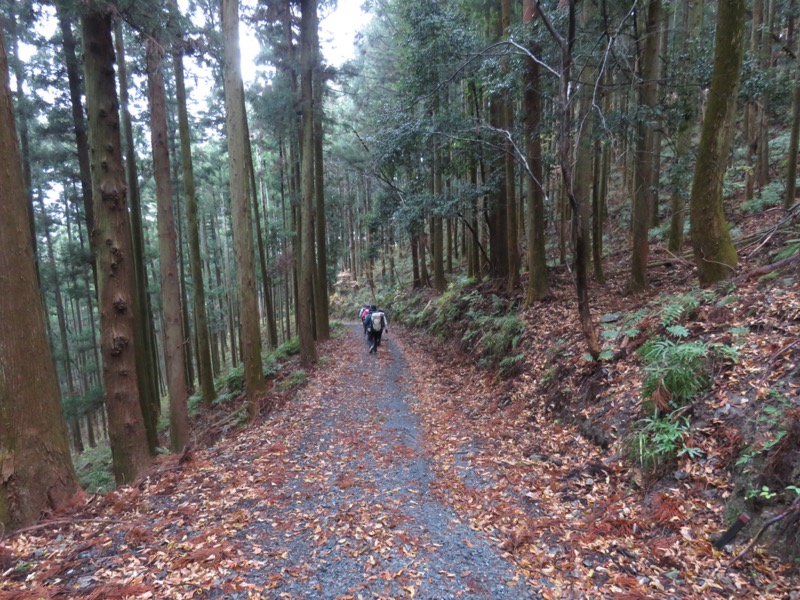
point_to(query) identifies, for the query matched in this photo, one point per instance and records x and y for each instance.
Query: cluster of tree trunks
(480, 195)
(141, 356)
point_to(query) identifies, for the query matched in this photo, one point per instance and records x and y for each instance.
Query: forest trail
(406, 474)
(334, 495)
(347, 508)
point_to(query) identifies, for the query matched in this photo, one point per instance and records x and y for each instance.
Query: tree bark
(645, 150)
(416, 280)
(512, 222)
(439, 281)
(791, 170)
(146, 351)
(186, 325)
(584, 146)
(322, 313)
(79, 125)
(714, 252)
(308, 350)
(23, 115)
(269, 309)
(60, 314)
(597, 211)
(538, 285)
(208, 393)
(115, 276)
(174, 351)
(498, 204)
(567, 176)
(35, 463)
(241, 210)
(680, 177)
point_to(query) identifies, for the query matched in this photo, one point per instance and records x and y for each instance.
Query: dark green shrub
(93, 468)
(296, 379)
(659, 442)
(233, 380)
(675, 372)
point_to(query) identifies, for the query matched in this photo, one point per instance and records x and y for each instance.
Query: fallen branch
(794, 508)
(774, 357)
(766, 269)
(59, 523)
(230, 418)
(741, 243)
(790, 216)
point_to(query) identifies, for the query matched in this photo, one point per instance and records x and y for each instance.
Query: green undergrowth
(677, 370)
(683, 349)
(93, 467)
(660, 441)
(230, 385)
(489, 327)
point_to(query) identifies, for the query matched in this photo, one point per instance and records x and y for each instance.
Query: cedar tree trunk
(112, 240)
(198, 294)
(240, 210)
(714, 253)
(174, 351)
(36, 474)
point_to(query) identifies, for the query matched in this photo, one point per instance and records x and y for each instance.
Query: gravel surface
(353, 515)
(336, 494)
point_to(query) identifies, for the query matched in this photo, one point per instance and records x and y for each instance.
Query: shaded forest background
(478, 163)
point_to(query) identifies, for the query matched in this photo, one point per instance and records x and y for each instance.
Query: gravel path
(404, 474)
(352, 514)
(338, 494)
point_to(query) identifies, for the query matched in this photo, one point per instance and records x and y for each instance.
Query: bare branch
(532, 56)
(549, 26)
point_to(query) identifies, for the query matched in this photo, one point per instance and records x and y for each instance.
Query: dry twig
(794, 509)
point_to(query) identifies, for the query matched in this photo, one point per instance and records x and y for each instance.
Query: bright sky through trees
(338, 30)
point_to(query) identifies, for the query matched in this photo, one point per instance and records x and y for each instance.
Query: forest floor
(401, 474)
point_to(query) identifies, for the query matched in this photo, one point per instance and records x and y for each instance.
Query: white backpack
(377, 321)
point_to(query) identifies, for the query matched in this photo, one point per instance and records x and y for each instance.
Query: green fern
(679, 368)
(660, 441)
(679, 331)
(792, 247)
(510, 363)
(678, 308)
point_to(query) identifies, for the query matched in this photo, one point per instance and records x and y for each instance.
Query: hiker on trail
(363, 316)
(377, 323)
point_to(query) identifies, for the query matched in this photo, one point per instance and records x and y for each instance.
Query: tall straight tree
(584, 145)
(512, 223)
(250, 334)
(645, 149)
(439, 281)
(308, 350)
(714, 253)
(79, 124)
(791, 170)
(538, 285)
(266, 280)
(37, 474)
(115, 278)
(198, 294)
(693, 22)
(566, 45)
(174, 339)
(321, 281)
(497, 218)
(146, 358)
